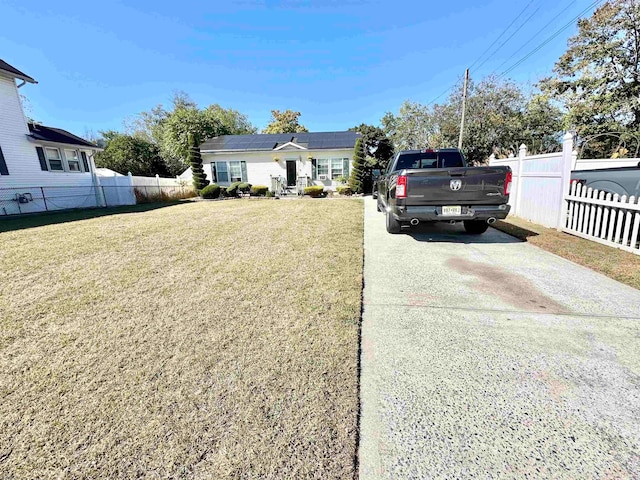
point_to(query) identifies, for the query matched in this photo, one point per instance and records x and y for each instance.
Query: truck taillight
(507, 183)
(401, 187)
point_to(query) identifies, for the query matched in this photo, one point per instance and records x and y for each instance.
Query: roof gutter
(32, 139)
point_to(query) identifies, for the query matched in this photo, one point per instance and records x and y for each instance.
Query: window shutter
(85, 161)
(345, 167)
(243, 166)
(3, 165)
(314, 169)
(214, 174)
(43, 161)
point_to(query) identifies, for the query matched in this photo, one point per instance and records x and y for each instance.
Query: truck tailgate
(456, 186)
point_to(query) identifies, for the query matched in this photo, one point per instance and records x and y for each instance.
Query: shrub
(314, 191)
(210, 191)
(232, 190)
(270, 194)
(344, 190)
(244, 187)
(356, 178)
(195, 161)
(259, 190)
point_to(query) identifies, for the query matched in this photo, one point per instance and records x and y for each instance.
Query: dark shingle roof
(4, 66)
(57, 135)
(269, 141)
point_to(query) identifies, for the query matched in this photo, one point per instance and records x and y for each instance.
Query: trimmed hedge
(210, 191)
(270, 194)
(314, 191)
(244, 187)
(232, 190)
(259, 190)
(344, 190)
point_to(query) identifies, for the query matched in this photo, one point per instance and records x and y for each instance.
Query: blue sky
(340, 63)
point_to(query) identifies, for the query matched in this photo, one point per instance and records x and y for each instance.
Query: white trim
(290, 144)
(262, 150)
(43, 143)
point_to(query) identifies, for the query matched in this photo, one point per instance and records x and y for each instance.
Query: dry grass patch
(612, 262)
(203, 340)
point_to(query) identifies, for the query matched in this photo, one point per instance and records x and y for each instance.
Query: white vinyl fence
(603, 217)
(539, 183)
(542, 192)
(132, 189)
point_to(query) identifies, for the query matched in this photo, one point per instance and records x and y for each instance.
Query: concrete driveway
(486, 357)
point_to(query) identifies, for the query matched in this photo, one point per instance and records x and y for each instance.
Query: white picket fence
(604, 218)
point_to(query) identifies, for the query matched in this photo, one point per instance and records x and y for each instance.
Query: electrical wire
(503, 32)
(536, 34)
(490, 47)
(517, 30)
(554, 35)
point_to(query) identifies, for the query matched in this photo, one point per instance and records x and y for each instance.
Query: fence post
(567, 161)
(522, 153)
(132, 190)
(158, 184)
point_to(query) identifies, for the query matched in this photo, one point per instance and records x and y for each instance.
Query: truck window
(429, 160)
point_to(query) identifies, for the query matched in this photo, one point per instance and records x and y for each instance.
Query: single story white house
(37, 161)
(320, 158)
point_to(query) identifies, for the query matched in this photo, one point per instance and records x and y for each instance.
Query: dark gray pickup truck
(437, 186)
(621, 180)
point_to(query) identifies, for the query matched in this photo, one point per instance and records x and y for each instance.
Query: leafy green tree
(182, 122)
(377, 145)
(169, 129)
(499, 118)
(195, 161)
(358, 170)
(597, 80)
(126, 153)
(414, 127)
(284, 122)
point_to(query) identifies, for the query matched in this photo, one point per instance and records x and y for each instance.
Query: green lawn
(200, 340)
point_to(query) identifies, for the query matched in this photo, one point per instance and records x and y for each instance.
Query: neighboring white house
(321, 157)
(40, 163)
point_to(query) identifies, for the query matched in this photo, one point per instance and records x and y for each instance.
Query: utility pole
(464, 105)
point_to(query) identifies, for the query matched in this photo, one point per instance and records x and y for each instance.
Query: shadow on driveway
(447, 233)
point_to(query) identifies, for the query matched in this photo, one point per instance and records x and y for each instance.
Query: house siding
(24, 168)
(261, 165)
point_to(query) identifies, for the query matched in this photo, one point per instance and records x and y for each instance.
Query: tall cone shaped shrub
(195, 160)
(356, 178)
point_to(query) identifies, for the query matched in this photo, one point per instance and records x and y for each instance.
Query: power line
(536, 34)
(558, 32)
(509, 38)
(503, 32)
(489, 47)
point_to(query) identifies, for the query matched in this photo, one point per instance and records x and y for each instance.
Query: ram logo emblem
(455, 185)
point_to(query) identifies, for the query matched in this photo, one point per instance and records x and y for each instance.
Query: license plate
(452, 211)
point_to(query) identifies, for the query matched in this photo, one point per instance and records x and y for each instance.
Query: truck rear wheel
(393, 225)
(475, 227)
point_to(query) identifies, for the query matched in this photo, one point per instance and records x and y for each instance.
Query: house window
(73, 160)
(236, 171)
(222, 172)
(323, 166)
(54, 159)
(336, 168)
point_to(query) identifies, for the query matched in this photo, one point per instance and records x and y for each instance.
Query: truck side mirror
(376, 173)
